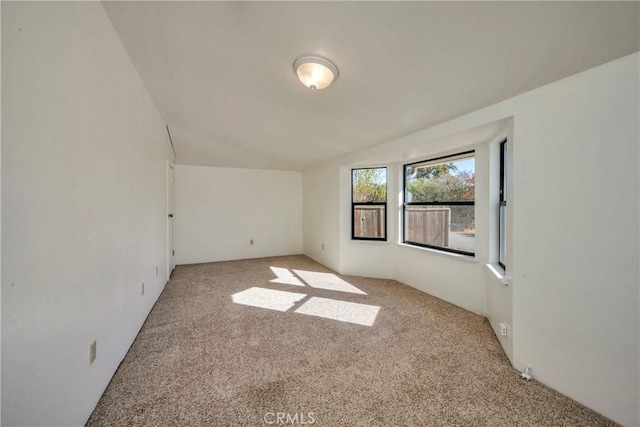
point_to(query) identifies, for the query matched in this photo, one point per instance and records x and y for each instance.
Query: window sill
(369, 242)
(460, 257)
(499, 273)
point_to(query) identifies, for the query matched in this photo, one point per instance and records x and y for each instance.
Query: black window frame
(435, 203)
(355, 204)
(502, 205)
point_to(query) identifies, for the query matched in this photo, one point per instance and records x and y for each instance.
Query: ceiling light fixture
(315, 72)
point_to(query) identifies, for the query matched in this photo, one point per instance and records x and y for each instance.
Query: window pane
(446, 226)
(503, 171)
(369, 185)
(447, 181)
(502, 256)
(502, 210)
(369, 221)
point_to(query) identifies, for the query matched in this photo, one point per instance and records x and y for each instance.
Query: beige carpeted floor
(202, 359)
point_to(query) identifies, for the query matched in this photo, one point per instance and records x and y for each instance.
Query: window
(369, 204)
(502, 207)
(439, 203)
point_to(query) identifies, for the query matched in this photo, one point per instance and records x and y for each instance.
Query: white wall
(321, 215)
(576, 237)
(575, 244)
(83, 209)
(500, 308)
(219, 210)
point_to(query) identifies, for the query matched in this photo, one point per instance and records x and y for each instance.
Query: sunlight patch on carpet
(328, 281)
(267, 298)
(285, 276)
(344, 311)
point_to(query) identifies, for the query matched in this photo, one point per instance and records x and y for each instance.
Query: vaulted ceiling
(221, 76)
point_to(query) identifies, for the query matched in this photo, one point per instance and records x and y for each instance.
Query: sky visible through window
(468, 165)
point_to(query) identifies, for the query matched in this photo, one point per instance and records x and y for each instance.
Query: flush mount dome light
(315, 72)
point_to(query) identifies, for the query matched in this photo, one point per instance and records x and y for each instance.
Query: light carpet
(285, 340)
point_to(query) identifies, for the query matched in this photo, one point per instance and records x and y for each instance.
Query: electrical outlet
(92, 352)
(142, 289)
(251, 242)
(323, 246)
(503, 329)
